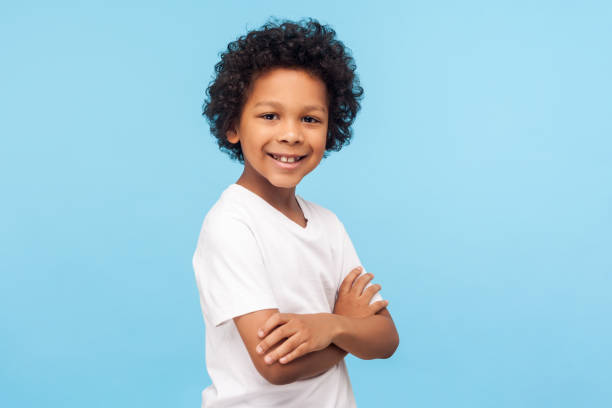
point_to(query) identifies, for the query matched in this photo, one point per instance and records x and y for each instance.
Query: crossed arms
(286, 347)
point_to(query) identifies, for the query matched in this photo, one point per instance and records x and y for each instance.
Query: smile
(286, 162)
(286, 159)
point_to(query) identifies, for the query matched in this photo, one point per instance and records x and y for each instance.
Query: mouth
(288, 162)
(286, 159)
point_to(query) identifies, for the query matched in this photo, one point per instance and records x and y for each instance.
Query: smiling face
(286, 114)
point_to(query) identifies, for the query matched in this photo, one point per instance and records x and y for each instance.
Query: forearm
(367, 338)
(309, 365)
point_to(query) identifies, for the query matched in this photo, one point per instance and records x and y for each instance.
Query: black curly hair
(306, 45)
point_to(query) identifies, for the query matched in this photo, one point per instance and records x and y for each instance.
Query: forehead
(288, 86)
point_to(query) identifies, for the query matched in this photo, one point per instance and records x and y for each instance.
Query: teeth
(285, 159)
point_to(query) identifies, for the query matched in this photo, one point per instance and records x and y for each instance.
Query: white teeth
(286, 159)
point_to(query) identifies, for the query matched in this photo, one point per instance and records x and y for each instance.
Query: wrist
(339, 326)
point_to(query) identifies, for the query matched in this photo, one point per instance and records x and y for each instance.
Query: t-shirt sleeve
(350, 261)
(230, 272)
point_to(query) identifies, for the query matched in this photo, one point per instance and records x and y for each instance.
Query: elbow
(394, 343)
(382, 350)
(275, 376)
(275, 379)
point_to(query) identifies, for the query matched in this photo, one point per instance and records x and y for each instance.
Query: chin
(284, 183)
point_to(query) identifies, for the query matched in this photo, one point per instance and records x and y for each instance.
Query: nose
(291, 133)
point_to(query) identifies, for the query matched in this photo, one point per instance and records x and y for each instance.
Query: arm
(306, 339)
(368, 332)
(367, 338)
(307, 366)
(356, 326)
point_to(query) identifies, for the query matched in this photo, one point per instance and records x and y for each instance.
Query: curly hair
(306, 45)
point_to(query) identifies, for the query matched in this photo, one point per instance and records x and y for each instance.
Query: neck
(280, 198)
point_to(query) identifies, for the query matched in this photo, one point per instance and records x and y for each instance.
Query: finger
(378, 306)
(369, 292)
(361, 282)
(347, 283)
(287, 347)
(300, 351)
(274, 337)
(273, 321)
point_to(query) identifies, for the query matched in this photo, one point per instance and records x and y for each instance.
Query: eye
(310, 119)
(268, 116)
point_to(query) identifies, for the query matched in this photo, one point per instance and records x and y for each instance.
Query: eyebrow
(278, 106)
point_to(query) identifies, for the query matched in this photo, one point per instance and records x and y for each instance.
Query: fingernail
(268, 359)
(282, 360)
(260, 333)
(259, 349)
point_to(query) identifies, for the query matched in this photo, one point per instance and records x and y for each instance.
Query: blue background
(477, 188)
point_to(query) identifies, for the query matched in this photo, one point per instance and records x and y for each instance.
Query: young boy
(281, 293)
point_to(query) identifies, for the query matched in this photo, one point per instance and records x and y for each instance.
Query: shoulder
(226, 238)
(227, 219)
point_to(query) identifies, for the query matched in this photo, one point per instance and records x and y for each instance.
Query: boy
(282, 299)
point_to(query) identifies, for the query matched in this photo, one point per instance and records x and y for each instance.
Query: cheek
(251, 143)
(322, 141)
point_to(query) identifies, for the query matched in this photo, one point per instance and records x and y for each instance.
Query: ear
(232, 136)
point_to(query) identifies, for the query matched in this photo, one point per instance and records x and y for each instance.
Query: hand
(305, 333)
(353, 300)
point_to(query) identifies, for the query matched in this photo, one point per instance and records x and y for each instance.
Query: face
(282, 129)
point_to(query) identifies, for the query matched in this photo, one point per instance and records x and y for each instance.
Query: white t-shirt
(250, 257)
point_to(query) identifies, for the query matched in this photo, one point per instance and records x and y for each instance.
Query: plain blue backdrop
(477, 188)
